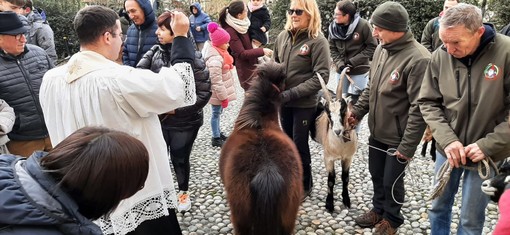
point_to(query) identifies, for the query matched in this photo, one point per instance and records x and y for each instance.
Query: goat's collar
(276, 87)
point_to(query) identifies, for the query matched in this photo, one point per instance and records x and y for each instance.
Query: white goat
(338, 139)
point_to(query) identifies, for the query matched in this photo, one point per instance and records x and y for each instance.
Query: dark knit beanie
(391, 16)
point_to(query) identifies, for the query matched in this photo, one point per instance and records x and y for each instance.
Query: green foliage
(278, 18)
(60, 15)
(500, 12)
(420, 12)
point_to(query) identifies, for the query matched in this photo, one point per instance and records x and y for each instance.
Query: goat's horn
(324, 88)
(339, 87)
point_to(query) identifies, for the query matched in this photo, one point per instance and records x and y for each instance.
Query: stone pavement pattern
(210, 213)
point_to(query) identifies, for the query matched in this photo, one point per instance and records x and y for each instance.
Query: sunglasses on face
(297, 11)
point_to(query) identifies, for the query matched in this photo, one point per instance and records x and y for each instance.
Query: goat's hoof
(330, 207)
(347, 203)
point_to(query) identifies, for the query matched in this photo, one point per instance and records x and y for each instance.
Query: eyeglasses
(115, 34)
(339, 14)
(18, 36)
(297, 11)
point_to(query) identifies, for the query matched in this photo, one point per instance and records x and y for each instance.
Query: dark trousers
(166, 225)
(180, 144)
(296, 124)
(384, 170)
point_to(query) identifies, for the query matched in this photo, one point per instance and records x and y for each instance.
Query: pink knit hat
(218, 35)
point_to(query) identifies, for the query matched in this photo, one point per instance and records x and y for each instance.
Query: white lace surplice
(93, 91)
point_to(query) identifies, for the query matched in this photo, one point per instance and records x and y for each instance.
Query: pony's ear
(272, 71)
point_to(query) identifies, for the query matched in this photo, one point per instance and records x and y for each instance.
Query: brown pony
(259, 164)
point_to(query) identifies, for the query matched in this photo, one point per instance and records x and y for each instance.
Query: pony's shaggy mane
(263, 97)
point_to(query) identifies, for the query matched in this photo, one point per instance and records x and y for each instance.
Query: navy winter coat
(140, 38)
(20, 80)
(200, 19)
(32, 203)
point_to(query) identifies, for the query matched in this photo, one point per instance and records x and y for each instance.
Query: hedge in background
(420, 12)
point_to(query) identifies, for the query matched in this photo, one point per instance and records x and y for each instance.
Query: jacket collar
(79, 224)
(85, 62)
(12, 57)
(400, 43)
(487, 37)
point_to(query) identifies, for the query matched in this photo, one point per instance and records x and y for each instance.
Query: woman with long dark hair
(234, 19)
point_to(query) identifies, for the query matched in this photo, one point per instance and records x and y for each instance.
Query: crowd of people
(131, 100)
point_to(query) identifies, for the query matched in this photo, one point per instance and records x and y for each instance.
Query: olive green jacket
(357, 50)
(390, 98)
(470, 103)
(430, 36)
(303, 57)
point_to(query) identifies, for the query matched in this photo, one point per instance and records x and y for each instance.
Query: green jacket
(355, 51)
(430, 36)
(302, 58)
(390, 98)
(470, 102)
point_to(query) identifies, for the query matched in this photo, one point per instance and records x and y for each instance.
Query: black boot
(223, 136)
(217, 142)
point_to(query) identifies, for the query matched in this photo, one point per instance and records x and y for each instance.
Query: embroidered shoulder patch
(355, 36)
(394, 77)
(304, 50)
(491, 72)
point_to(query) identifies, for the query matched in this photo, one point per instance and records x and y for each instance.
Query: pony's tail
(267, 190)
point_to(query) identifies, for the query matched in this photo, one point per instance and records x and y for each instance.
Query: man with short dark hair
(40, 32)
(141, 35)
(394, 119)
(91, 89)
(465, 100)
(22, 67)
(15, 6)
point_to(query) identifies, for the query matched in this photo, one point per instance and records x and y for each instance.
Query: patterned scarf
(337, 31)
(241, 26)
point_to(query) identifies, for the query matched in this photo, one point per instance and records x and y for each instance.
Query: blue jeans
(474, 202)
(360, 82)
(215, 120)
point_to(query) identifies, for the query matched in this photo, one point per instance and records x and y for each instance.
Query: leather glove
(341, 68)
(224, 103)
(286, 96)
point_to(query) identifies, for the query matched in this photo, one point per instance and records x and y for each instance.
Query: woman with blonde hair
(301, 48)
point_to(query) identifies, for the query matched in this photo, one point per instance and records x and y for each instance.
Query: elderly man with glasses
(22, 67)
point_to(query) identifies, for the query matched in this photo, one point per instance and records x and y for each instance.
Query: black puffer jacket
(20, 80)
(189, 117)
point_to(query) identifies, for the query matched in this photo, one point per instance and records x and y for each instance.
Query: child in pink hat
(220, 65)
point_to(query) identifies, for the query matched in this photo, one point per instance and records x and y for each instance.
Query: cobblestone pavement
(210, 213)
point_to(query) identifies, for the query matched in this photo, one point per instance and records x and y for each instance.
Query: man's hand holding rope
(455, 153)
(474, 152)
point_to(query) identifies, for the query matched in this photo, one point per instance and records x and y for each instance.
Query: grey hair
(462, 14)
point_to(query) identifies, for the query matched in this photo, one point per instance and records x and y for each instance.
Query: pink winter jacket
(503, 225)
(222, 79)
